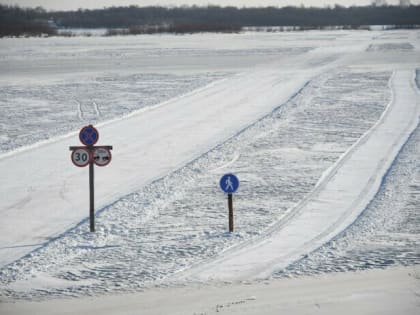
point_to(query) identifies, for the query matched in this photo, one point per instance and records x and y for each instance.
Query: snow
(178, 132)
(45, 110)
(394, 291)
(179, 222)
(387, 232)
(188, 124)
(335, 202)
(293, 115)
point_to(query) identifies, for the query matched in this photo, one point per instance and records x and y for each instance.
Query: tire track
(80, 114)
(96, 109)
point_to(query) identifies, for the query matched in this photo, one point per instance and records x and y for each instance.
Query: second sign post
(229, 183)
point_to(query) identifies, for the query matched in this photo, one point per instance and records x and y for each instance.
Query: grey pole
(91, 197)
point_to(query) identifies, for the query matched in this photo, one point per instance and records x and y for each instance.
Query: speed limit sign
(81, 157)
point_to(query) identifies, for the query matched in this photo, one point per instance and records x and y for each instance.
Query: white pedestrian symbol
(229, 184)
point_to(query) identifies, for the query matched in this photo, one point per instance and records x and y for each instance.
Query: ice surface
(181, 219)
(177, 218)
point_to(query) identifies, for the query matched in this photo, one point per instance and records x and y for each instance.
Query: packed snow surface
(385, 292)
(291, 114)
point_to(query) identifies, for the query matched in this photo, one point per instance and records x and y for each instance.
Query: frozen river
(281, 110)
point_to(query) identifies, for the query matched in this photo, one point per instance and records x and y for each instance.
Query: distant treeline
(15, 21)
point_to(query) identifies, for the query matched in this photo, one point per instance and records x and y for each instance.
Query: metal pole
(91, 197)
(230, 205)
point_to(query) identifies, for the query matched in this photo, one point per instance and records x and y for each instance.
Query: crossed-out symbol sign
(89, 135)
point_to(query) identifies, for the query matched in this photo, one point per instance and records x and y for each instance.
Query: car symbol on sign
(102, 156)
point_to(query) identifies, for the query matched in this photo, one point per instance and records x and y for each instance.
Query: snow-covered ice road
(339, 197)
(43, 194)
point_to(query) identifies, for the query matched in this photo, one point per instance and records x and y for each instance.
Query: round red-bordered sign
(89, 135)
(102, 156)
(81, 157)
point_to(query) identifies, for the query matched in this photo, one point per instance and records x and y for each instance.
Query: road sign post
(91, 198)
(90, 154)
(229, 184)
(230, 206)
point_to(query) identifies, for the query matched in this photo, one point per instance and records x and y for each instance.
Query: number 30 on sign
(81, 157)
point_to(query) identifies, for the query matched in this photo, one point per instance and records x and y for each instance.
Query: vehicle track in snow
(386, 233)
(45, 111)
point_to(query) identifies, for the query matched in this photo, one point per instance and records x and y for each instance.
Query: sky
(95, 4)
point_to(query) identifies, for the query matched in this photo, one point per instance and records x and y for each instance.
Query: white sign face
(101, 156)
(80, 157)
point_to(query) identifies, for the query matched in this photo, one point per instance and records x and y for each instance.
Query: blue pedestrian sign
(89, 135)
(229, 183)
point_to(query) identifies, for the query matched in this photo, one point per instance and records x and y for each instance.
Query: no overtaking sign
(102, 156)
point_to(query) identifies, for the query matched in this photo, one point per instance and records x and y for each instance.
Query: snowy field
(294, 115)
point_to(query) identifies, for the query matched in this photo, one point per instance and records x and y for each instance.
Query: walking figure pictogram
(229, 184)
